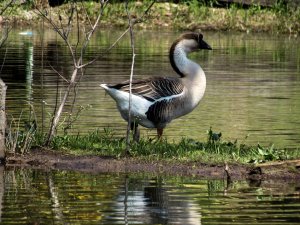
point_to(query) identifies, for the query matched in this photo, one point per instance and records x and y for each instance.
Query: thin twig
(75, 90)
(3, 61)
(106, 51)
(130, 22)
(54, 112)
(88, 18)
(61, 76)
(141, 19)
(78, 32)
(42, 75)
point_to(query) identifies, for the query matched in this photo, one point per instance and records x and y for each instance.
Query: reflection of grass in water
(214, 150)
(214, 187)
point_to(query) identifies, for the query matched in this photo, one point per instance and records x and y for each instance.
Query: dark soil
(49, 159)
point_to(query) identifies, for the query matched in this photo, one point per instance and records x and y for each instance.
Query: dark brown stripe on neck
(172, 61)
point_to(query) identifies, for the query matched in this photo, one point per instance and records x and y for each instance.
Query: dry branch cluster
(64, 23)
(63, 28)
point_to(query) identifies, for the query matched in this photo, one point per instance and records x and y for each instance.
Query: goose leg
(160, 132)
(136, 132)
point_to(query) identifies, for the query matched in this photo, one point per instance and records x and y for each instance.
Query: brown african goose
(157, 101)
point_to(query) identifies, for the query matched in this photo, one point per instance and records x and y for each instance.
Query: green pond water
(61, 197)
(253, 83)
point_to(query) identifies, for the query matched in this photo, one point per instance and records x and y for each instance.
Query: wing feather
(154, 88)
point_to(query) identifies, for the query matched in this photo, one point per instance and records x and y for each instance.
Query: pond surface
(253, 83)
(60, 197)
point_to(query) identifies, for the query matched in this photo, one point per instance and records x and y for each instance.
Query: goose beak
(204, 45)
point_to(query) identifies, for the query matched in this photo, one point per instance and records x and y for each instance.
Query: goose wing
(153, 89)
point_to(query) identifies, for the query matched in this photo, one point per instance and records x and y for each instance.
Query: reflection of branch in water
(1, 189)
(126, 201)
(56, 207)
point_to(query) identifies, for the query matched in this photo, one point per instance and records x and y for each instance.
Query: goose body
(157, 101)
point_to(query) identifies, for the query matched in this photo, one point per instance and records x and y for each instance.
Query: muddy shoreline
(55, 160)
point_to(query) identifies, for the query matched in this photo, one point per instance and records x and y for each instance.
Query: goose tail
(104, 86)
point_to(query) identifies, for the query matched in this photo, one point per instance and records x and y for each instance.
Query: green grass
(190, 14)
(212, 150)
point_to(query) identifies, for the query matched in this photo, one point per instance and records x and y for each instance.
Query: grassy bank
(189, 15)
(212, 150)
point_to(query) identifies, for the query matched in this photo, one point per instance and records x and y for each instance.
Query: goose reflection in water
(155, 204)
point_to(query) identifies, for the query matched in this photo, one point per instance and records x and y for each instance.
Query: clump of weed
(20, 137)
(263, 154)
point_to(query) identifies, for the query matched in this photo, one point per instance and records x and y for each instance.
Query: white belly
(139, 106)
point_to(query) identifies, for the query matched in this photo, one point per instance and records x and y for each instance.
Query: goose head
(185, 44)
(190, 42)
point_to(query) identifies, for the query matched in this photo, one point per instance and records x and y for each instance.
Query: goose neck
(182, 65)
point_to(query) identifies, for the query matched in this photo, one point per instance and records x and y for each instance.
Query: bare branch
(90, 23)
(3, 89)
(90, 33)
(5, 7)
(138, 20)
(61, 76)
(3, 60)
(70, 120)
(78, 64)
(4, 35)
(131, 23)
(78, 32)
(49, 20)
(61, 34)
(107, 50)
(70, 20)
(142, 18)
